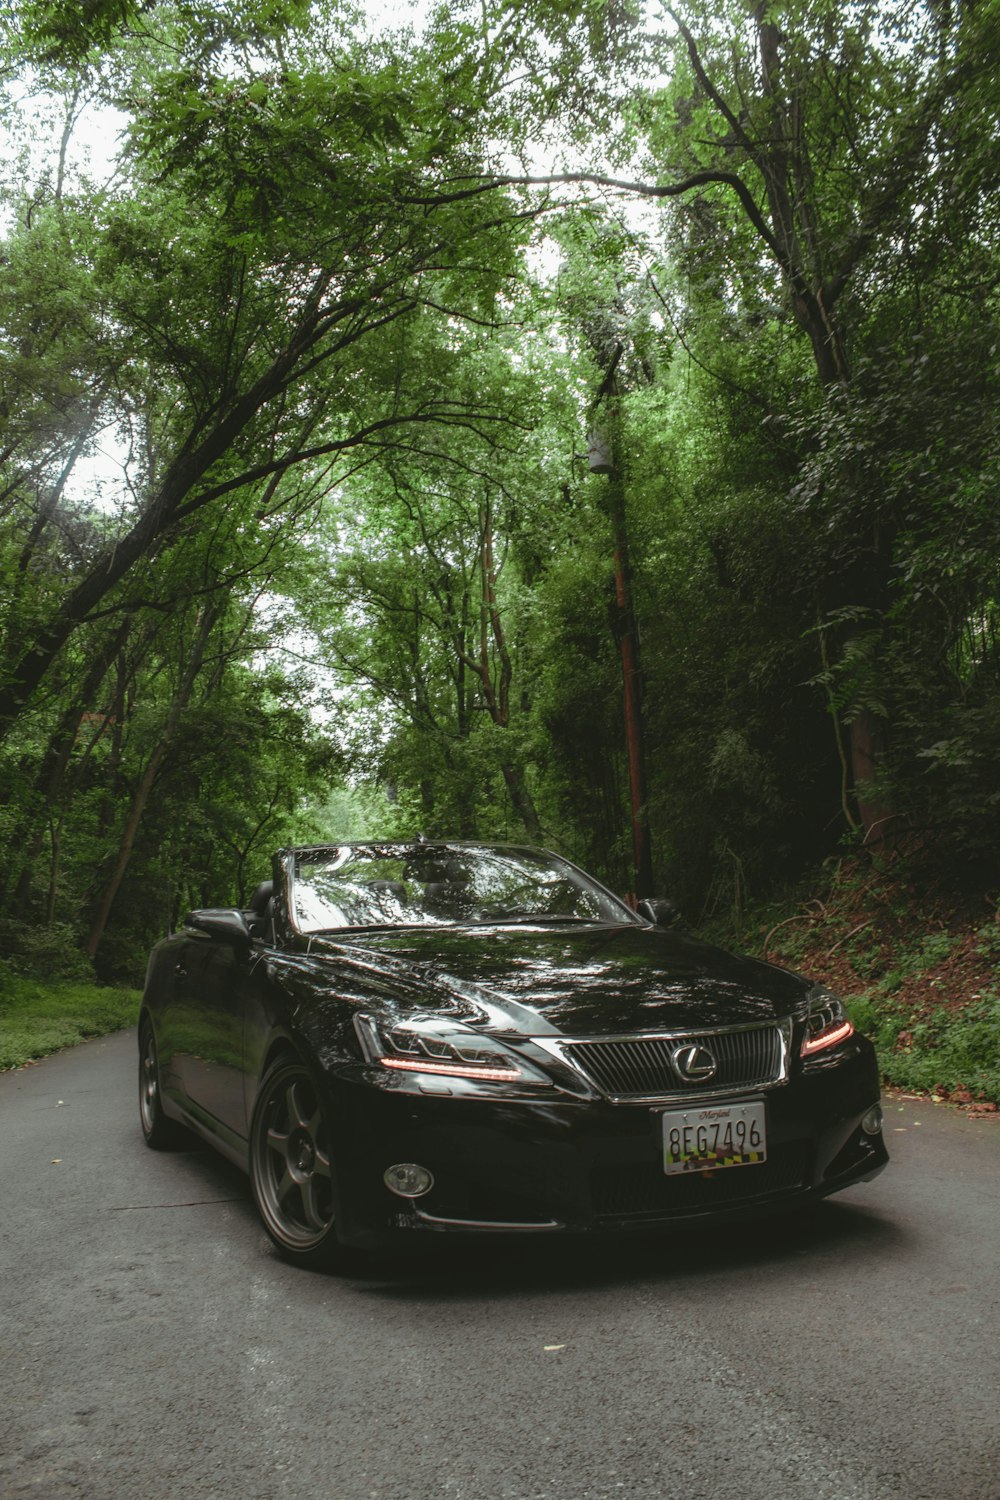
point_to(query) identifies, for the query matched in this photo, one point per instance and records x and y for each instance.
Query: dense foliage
(298, 533)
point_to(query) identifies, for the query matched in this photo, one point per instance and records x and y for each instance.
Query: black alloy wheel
(291, 1167)
(159, 1131)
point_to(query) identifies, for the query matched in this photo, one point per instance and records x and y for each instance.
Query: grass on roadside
(38, 1017)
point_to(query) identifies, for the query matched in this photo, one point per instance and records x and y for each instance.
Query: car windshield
(442, 885)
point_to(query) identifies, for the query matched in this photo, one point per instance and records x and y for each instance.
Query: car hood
(580, 981)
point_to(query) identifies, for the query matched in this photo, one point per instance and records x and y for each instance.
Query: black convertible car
(405, 1039)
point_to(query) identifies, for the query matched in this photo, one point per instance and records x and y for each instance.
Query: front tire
(291, 1167)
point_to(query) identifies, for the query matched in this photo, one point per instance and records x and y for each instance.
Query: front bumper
(587, 1166)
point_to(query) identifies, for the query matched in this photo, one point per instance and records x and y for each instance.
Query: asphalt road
(154, 1348)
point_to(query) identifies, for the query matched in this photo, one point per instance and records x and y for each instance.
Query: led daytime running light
(839, 1031)
(451, 1070)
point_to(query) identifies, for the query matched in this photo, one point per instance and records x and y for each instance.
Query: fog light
(871, 1123)
(407, 1180)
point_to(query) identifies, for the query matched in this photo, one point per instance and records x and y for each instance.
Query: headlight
(432, 1045)
(827, 1023)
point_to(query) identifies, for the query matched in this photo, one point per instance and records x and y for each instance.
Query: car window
(442, 885)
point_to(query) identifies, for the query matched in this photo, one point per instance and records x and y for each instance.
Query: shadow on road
(441, 1267)
(505, 1266)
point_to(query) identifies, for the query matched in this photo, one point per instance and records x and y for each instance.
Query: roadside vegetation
(918, 963)
(49, 998)
(42, 1016)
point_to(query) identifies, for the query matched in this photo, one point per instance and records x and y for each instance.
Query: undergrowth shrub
(51, 952)
(947, 1050)
(39, 1017)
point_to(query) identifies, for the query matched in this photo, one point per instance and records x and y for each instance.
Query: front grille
(640, 1067)
(635, 1189)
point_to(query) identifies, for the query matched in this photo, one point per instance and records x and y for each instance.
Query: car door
(208, 1034)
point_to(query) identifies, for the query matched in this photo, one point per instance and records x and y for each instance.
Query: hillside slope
(918, 964)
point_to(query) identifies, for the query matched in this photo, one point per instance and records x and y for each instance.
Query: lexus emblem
(693, 1064)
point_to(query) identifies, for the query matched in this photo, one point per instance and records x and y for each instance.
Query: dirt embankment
(920, 966)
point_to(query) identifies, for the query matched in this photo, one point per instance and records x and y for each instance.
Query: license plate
(717, 1135)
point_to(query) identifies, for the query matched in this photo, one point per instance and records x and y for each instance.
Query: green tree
(273, 238)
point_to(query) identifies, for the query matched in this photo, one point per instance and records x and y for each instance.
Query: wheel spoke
(310, 1206)
(297, 1115)
(286, 1186)
(277, 1142)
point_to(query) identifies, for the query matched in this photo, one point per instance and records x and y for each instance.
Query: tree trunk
(867, 752)
(140, 798)
(49, 788)
(521, 800)
(496, 694)
(627, 633)
(25, 670)
(50, 900)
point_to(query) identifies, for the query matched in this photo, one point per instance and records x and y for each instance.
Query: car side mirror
(659, 910)
(225, 923)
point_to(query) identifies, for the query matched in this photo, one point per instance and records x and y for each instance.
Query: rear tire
(291, 1168)
(159, 1131)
